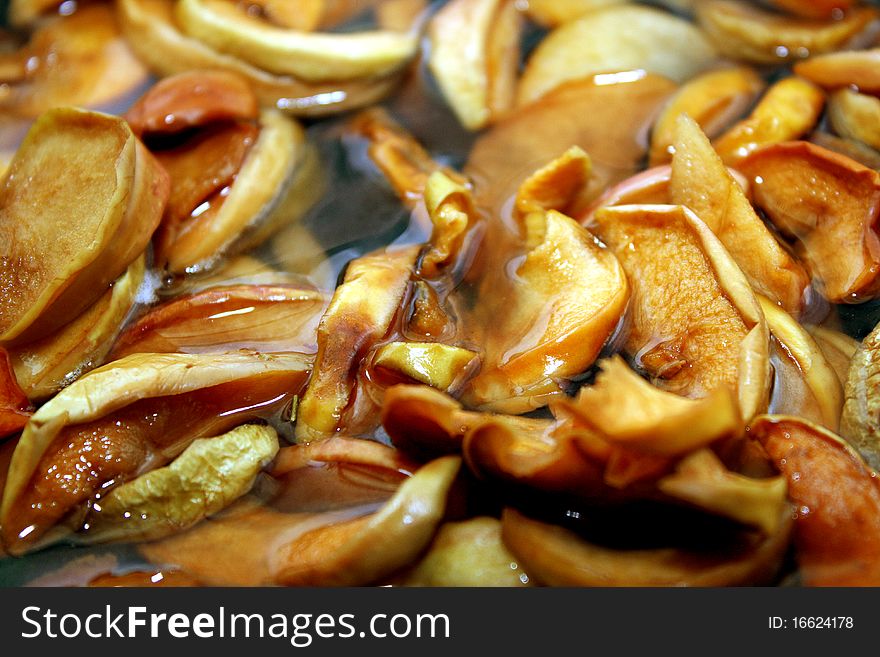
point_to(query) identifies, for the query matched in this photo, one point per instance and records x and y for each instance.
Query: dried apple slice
(698, 326)
(475, 57)
(855, 116)
(368, 549)
(438, 365)
(836, 498)
(860, 421)
(616, 39)
(788, 110)
(126, 418)
(261, 317)
(204, 479)
(701, 182)
(153, 34)
(859, 69)
(309, 56)
(714, 100)
(357, 318)
(558, 557)
(467, 553)
(47, 365)
(551, 13)
(56, 267)
(743, 31)
(830, 205)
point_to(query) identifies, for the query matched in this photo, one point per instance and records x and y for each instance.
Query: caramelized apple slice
(475, 57)
(743, 31)
(438, 365)
(15, 409)
(358, 316)
(129, 417)
(555, 186)
(837, 502)
(697, 326)
(57, 265)
(451, 208)
(615, 39)
(855, 116)
(47, 365)
(854, 150)
(308, 15)
(701, 182)
(814, 8)
(859, 69)
(350, 451)
(551, 13)
(860, 421)
(788, 110)
(206, 478)
(714, 100)
(559, 557)
(368, 549)
(829, 204)
(838, 349)
(467, 553)
(261, 317)
(23, 13)
(308, 56)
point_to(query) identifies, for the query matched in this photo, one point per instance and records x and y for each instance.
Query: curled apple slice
(551, 13)
(696, 326)
(57, 265)
(558, 557)
(743, 31)
(261, 317)
(475, 57)
(615, 39)
(859, 69)
(306, 55)
(701, 182)
(338, 449)
(830, 205)
(47, 365)
(358, 316)
(451, 208)
(438, 365)
(838, 348)
(788, 110)
(714, 100)
(836, 498)
(368, 549)
(860, 421)
(204, 479)
(126, 418)
(855, 116)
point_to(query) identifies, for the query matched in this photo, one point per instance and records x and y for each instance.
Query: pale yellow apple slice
(306, 55)
(615, 39)
(838, 348)
(438, 365)
(100, 194)
(551, 13)
(854, 115)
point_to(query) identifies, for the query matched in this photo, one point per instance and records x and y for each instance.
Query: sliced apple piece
(788, 110)
(451, 208)
(855, 150)
(23, 13)
(615, 39)
(714, 100)
(438, 365)
(838, 348)
(100, 194)
(860, 421)
(830, 205)
(15, 409)
(368, 549)
(551, 13)
(701, 182)
(814, 8)
(836, 499)
(558, 557)
(555, 186)
(348, 451)
(696, 326)
(855, 116)
(859, 69)
(358, 316)
(743, 31)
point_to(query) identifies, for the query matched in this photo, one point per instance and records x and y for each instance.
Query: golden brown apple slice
(530, 137)
(855, 116)
(551, 13)
(358, 316)
(742, 31)
(467, 553)
(820, 378)
(126, 418)
(814, 8)
(368, 549)
(23, 13)
(438, 365)
(475, 57)
(264, 318)
(830, 205)
(349, 451)
(860, 421)
(859, 69)
(788, 110)
(154, 35)
(615, 39)
(314, 57)
(836, 498)
(204, 479)
(696, 326)
(15, 408)
(100, 194)
(555, 186)
(558, 557)
(451, 208)
(701, 182)
(714, 100)
(47, 365)
(307, 15)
